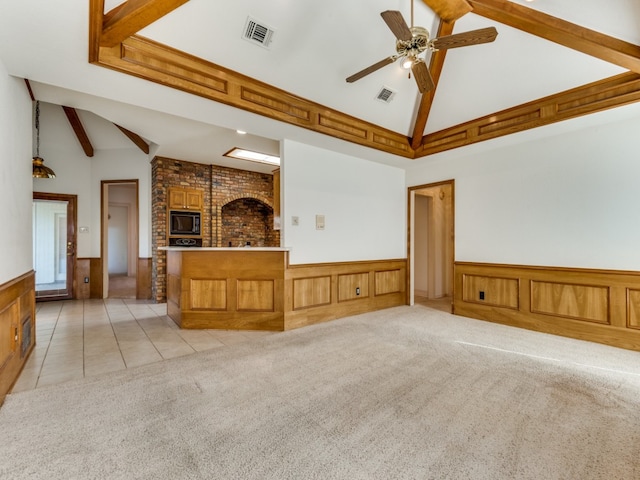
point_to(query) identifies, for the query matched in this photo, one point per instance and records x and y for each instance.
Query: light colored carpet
(404, 393)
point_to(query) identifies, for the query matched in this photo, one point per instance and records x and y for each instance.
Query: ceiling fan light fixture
(408, 62)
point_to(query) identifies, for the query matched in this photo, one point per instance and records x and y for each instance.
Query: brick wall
(248, 220)
(249, 214)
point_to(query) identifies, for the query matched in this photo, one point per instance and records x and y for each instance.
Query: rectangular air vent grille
(385, 94)
(258, 32)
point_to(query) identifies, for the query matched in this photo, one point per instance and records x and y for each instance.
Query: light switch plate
(295, 221)
(319, 222)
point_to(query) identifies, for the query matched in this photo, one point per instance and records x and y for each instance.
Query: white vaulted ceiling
(316, 45)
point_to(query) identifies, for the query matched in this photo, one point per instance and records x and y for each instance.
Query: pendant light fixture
(39, 170)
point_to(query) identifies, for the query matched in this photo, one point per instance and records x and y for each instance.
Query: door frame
(411, 192)
(72, 221)
(104, 228)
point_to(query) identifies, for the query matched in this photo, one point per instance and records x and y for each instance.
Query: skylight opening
(250, 155)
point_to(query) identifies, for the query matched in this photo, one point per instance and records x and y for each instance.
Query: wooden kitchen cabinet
(185, 199)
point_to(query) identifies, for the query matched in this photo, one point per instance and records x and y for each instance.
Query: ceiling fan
(412, 41)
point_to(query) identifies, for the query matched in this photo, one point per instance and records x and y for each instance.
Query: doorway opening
(54, 245)
(119, 239)
(431, 245)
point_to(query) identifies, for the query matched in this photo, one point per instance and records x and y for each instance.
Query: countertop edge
(225, 249)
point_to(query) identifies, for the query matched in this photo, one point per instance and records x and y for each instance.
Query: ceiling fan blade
(474, 37)
(372, 68)
(449, 10)
(422, 75)
(395, 22)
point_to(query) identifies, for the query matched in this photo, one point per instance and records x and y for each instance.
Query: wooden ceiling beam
(135, 138)
(79, 130)
(594, 97)
(96, 19)
(435, 67)
(30, 90)
(599, 45)
(130, 17)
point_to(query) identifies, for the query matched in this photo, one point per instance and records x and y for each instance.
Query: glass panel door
(53, 248)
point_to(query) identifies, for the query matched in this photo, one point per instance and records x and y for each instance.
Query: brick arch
(239, 196)
(232, 198)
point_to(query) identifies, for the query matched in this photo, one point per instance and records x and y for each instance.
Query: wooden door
(54, 245)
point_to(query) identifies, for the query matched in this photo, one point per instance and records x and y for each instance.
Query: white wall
(15, 177)
(570, 200)
(364, 205)
(77, 174)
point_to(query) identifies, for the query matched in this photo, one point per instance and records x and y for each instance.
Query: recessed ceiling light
(243, 154)
(241, 132)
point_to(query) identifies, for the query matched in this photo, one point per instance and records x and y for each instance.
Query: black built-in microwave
(184, 223)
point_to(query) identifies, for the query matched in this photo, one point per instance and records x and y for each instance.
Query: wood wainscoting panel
(311, 292)
(208, 294)
(143, 278)
(320, 292)
(353, 286)
(596, 305)
(82, 290)
(173, 288)
(8, 331)
(389, 281)
(633, 308)
(17, 328)
(496, 291)
(255, 295)
(581, 302)
(96, 288)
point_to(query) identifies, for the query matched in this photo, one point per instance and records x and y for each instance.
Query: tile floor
(443, 304)
(79, 338)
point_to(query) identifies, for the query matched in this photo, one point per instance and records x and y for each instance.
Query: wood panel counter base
(239, 289)
(256, 289)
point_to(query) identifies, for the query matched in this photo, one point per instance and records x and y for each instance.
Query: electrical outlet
(481, 295)
(86, 279)
(357, 290)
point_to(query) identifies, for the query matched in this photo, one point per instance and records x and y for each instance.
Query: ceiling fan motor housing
(418, 43)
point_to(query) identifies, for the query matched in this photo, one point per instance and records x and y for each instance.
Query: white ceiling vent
(385, 94)
(257, 32)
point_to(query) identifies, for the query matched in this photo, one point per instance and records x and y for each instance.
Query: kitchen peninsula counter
(226, 288)
(255, 288)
